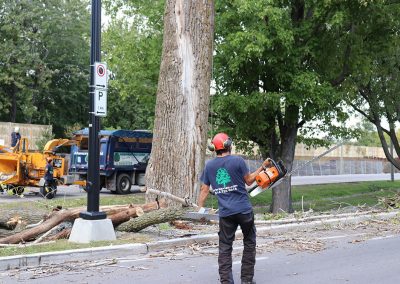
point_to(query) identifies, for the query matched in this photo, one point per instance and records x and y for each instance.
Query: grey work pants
(227, 228)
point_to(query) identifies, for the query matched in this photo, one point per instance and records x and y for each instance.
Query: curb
(18, 261)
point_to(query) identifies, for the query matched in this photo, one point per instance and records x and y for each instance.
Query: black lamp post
(93, 180)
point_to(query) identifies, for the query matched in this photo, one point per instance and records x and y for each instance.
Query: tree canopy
(132, 44)
(373, 87)
(44, 58)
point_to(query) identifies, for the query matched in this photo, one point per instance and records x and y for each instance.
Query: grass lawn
(317, 197)
(48, 204)
(326, 197)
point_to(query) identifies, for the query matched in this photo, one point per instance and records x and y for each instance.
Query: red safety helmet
(220, 141)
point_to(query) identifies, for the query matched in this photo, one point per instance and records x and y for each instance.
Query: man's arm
(251, 177)
(204, 191)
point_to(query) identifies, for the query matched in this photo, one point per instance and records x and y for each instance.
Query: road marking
(342, 236)
(384, 237)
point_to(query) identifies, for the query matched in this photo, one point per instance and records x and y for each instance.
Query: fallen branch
(184, 201)
(152, 218)
(42, 237)
(58, 217)
(64, 234)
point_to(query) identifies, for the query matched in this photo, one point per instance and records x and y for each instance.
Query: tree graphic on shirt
(222, 177)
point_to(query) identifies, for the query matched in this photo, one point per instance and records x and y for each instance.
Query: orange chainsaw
(268, 177)
(276, 173)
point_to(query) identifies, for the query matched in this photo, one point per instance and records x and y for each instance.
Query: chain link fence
(333, 166)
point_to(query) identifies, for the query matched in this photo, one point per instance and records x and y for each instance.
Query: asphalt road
(344, 257)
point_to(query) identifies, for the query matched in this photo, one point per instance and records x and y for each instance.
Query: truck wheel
(124, 184)
(48, 192)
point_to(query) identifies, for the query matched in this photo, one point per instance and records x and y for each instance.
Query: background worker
(228, 174)
(48, 174)
(15, 137)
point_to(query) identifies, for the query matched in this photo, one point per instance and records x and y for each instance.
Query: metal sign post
(94, 225)
(98, 74)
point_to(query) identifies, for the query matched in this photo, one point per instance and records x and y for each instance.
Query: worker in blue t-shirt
(49, 171)
(228, 176)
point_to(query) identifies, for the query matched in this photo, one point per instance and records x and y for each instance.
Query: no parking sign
(100, 89)
(100, 75)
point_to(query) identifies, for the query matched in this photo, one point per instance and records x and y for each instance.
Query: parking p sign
(100, 102)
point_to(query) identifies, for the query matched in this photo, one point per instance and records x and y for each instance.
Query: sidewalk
(19, 261)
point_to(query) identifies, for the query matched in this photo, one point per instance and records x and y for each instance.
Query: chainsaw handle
(268, 162)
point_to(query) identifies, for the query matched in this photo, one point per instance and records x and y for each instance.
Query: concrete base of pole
(86, 231)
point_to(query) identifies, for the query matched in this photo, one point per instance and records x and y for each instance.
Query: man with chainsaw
(227, 175)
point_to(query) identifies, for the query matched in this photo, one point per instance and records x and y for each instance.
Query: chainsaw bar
(257, 190)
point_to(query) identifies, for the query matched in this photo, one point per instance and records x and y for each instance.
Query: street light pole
(93, 180)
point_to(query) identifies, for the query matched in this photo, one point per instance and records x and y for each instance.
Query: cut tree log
(152, 218)
(10, 218)
(124, 216)
(70, 215)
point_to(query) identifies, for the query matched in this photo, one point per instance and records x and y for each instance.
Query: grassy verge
(61, 245)
(48, 204)
(317, 197)
(329, 196)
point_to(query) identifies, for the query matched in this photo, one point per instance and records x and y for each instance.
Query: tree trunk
(180, 128)
(282, 194)
(152, 218)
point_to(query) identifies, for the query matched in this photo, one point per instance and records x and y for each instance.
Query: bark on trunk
(152, 218)
(282, 194)
(180, 128)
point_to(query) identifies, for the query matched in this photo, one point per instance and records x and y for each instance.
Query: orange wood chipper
(20, 167)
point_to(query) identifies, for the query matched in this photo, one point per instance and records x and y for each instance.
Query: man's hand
(205, 210)
(267, 163)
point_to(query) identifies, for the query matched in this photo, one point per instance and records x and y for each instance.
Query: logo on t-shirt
(222, 177)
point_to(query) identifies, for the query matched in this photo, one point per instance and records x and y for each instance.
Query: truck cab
(124, 155)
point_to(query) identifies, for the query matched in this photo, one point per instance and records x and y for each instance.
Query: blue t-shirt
(226, 176)
(48, 176)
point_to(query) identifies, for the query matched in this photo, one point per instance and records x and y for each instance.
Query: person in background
(15, 137)
(228, 176)
(48, 173)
